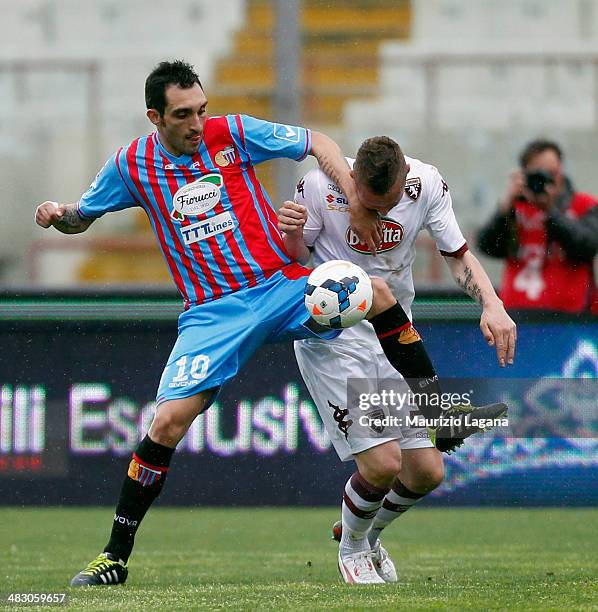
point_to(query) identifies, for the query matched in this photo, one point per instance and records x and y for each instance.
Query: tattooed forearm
(72, 223)
(332, 162)
(468, 285)
(472, 279)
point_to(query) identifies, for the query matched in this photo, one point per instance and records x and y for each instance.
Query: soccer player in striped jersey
(396, 466)
(194, 177)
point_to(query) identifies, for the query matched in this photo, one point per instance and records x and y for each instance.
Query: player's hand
(49, 213)
(291, 218)
(367, 225)
(500, 331)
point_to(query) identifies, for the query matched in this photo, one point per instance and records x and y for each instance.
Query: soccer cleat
(358, 568)
(105, 569)
(463, 421)
(383, 564)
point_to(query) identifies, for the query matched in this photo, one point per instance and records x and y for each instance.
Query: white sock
(397, 501)
(361, 502)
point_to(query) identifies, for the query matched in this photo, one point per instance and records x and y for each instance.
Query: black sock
(142, 484)
(407, 354)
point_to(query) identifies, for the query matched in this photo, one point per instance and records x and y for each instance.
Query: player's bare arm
(291, 219)
(64, 217)
(364, 222)
(496, 325)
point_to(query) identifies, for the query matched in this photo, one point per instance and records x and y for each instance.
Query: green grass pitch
(283, 559)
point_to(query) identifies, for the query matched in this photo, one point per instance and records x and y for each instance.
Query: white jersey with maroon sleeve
(426, 203)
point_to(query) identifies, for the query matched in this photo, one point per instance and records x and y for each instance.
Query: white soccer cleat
(385, 568)
(358, 568)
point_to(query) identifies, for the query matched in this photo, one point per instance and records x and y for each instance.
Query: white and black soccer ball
(338, 294)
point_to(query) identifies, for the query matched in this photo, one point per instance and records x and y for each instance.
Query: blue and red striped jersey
(213, 219)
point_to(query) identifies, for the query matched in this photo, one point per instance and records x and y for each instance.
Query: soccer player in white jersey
(394, 469)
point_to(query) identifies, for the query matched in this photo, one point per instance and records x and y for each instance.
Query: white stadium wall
(480, 78)
(50, 143)
(477, 79)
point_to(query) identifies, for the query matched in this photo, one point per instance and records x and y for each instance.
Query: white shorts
(326, 367)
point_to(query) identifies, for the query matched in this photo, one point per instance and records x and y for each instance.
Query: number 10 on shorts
(197, 371)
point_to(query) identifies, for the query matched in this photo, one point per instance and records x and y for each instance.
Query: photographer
(548, 233)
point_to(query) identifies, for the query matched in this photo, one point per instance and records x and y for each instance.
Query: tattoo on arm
(469, 285)
(330, 170)
(72, 223)
(332, 161)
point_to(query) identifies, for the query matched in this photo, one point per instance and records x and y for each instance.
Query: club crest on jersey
(196, 198)
(376, 418)
(392, 236)
(413, 187)
(226, 157)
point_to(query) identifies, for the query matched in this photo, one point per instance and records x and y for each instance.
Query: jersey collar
(181, 160)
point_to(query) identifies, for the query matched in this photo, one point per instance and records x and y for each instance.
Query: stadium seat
(43, 46)
(339, 60)
(479, 78)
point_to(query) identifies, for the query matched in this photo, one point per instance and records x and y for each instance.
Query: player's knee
(381, 466)
(388, 469)
(383, 297)
(431, 477)
(167, 429)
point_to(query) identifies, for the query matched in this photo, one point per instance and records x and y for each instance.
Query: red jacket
(549, 255)
(541, 274)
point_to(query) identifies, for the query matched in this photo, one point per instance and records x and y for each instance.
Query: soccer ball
(338, 294)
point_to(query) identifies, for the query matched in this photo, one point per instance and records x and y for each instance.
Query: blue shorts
(215, 339)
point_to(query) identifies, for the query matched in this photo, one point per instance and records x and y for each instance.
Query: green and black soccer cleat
(462, 421)
(105, 569)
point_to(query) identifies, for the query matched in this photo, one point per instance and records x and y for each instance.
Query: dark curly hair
(164, 74)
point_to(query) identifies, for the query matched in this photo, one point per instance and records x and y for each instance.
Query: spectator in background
(548, 233)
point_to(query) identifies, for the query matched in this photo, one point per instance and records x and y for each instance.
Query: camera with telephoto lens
(537, 181)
